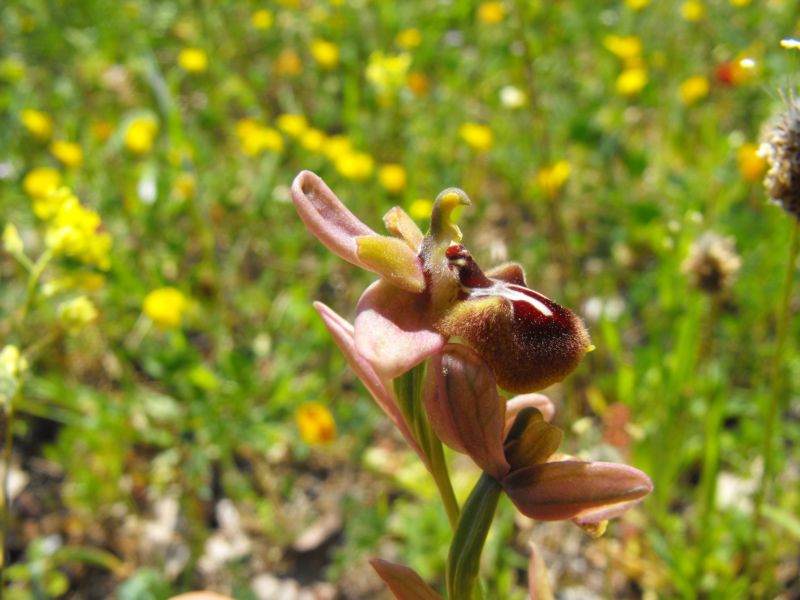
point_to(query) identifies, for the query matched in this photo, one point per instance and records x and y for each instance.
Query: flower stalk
(408, 389)
(463, 562)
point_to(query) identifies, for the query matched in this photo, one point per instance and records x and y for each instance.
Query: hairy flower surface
(781, 149)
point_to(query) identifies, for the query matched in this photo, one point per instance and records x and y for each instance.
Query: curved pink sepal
(534, 400)
(583, 491)
(327, 218)
(404, 582)
(393, 329)
(342, 333)
(464, 408)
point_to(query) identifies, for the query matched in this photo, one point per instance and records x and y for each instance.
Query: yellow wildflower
(12, 366)
(552, 179)
(623, 47)
(102, 130)
(38, 123)
(87, 281)
(409, 38)
(12, 361)
(392, 177)
(740, 2)
(255, 138)
(354, 165)
(693, 89)
(631, 81)
(48, 205)
(336, 146)
(75, 231)
(193, 60)
(185, 186)
(637, 4)
(165, 307)
(420, 209)
(12, 241)
(313, 140)
(261, 19)
(140, 135)
(325, 53)
(790, 44)
(478, 137)
(752, 165)
(418, 83)
(76, 314)
(692, 11)
(68, 154)
(292, 124)
(491, 13)
(315, 423)
(39, 182)
(288, 63)
(387, 72)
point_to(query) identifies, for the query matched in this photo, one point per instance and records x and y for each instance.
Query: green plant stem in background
(5, 491)
(408, 389)
(773, 407)
(463, 562)
(30, 289)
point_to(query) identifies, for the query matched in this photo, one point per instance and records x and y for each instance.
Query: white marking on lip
(509, 293)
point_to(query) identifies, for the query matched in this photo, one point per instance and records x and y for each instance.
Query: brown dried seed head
(781, 149)
(712, 263)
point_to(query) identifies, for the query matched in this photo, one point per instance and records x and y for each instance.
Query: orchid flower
(431, 289)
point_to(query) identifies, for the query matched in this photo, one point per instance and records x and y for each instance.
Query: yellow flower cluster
(75, 314)
(392, 177)
(39, 182)
(72, 229)
(193, 60)
(491, 13)
(693, 89)
(165, 307)
(315, 423)
(325, 53)
(255, 138)
(350, 162)
(692, 11)
(262, 19)
(628, 49)
(752, 165)
(551, 179)
(140, 135)
(68, 154)
(478, 137)
(387, 73)
(38, 123)
(409, 38)
(13, 365)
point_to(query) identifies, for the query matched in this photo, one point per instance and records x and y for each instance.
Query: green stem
(5, 492)
(33, 280)
(463, 562)
(408, 389)
(776, 383)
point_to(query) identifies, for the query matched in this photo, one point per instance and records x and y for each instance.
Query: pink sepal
(393, 329)
(380, 389)
(464, 408)
(583, 491)
(327, 218)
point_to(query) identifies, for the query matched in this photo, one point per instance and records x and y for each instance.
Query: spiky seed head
(712, 263)
(781, 149)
